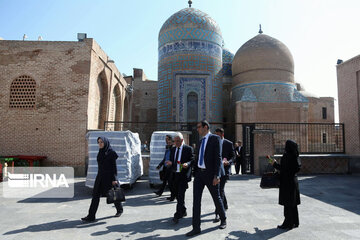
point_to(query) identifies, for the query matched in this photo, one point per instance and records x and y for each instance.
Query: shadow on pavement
(259, 234)
(80, 192)
(182, 235)
(58, 225)
(338, 190)
(144, 227)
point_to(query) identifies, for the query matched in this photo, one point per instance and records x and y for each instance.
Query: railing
(312, 138)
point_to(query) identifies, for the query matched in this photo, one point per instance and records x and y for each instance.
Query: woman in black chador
(289, 195)
(105, 179)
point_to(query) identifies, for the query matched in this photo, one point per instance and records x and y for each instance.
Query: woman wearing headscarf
(289, 195)
(105, 179)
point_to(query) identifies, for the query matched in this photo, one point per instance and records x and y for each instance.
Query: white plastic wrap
(127, 145)
(157, 152)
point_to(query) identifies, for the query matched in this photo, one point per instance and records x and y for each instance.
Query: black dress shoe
(193, 232)
(158, 193)
(222, 224)
(170, 199)
(175, 220)
(285, 227)
(217, 219)
(88, 219)
(118, 214)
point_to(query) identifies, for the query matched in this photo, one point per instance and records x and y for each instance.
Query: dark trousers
(95, 202)
(237, 166)
(167, 180)
(201, 180)
(240, 163)
(180, 186)
(223, 180)
(243, 166)
(291, 215)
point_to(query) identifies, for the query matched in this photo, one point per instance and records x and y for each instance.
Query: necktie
(177, 156)
(201, 160)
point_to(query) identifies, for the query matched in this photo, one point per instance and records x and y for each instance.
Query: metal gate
(248, 145)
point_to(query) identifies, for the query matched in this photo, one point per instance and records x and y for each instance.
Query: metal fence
(312, 138)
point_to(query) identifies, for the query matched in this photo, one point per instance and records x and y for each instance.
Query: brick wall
(348, 79)
(315, 109)
(144, 105)
(66, 75)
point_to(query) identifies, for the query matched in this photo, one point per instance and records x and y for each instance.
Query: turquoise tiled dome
(190, 24)
(227, 58)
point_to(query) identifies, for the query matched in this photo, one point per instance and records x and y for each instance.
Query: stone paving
(330, 210)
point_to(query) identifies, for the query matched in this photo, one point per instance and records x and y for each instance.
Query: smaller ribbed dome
(263, 58)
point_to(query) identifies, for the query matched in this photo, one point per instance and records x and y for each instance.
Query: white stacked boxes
(157, 152)
(127, 145)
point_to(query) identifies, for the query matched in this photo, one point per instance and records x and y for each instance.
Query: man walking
(181, 157)
(240, 161)
(167, 171)
(207, 172)
(227, 155)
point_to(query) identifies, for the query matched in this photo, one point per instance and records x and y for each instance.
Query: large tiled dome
(190, 24)
(189, 68)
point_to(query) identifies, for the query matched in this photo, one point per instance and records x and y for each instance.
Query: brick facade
(73, 82)
(348, 79)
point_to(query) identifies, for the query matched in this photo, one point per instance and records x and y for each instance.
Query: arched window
(192, 107)
(23, 93)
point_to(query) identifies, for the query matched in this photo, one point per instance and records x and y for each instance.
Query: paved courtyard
(330, 210)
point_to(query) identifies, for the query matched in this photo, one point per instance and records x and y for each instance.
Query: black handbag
(270, 179)
(115, 194)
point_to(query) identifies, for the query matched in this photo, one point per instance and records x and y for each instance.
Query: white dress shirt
(179, 159)
(206, 138)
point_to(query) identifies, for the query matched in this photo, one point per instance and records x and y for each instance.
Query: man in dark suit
(227, 159)
(240, 160)
(207, 172)
(181, 157)
(167, 171)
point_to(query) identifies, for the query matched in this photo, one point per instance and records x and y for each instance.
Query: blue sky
(317, 32)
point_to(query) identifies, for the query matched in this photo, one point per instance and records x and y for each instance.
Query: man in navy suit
(207, 172)
(181, 157)
(228, 156)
